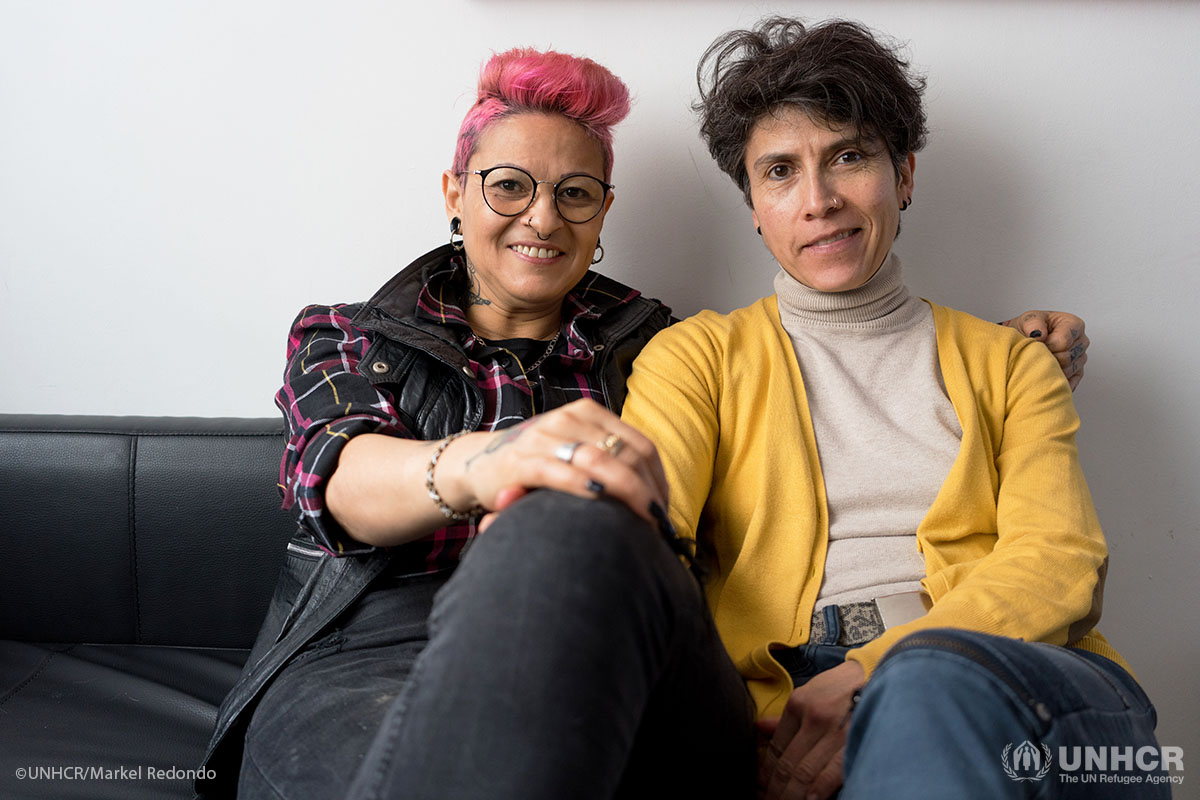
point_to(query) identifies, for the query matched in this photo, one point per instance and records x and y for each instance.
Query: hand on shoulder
(1063, 333)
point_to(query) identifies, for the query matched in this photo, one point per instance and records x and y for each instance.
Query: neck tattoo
(474, 298)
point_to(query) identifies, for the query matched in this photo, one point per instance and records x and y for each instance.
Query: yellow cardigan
(1012, 544)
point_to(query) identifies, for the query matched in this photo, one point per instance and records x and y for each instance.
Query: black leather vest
(425, 374)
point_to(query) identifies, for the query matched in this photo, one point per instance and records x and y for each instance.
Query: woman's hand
(804, 757)
(1063, 333)
(378, 495)
(612, 459)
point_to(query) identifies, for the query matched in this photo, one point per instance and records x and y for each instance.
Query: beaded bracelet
(447, 511)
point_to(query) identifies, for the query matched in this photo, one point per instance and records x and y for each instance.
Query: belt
(859, 623)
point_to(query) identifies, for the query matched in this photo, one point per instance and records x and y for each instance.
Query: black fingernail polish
(664, 522)
(685, 548)
(595, 487)
(1035, 334)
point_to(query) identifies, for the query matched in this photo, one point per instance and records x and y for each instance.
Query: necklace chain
(535, 364)
(544, 356)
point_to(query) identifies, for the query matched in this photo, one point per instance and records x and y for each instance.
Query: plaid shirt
(326, 399)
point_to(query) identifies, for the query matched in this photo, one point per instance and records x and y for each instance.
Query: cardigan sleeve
(1042, 578)
(673, 396)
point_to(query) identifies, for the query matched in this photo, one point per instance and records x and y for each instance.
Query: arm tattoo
(508, 437)
(474, 298)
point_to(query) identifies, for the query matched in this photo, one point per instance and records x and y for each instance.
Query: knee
(595, 547)
(943, 699)
(942, 666)
(559, 525)
(953, 647)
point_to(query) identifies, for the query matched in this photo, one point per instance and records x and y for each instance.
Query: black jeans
(570, 655)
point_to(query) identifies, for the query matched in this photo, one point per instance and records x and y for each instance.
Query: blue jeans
(569, 655)
(946, 713)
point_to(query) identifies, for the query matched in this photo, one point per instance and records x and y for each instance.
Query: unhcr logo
(1026, 762)
(1111, 764)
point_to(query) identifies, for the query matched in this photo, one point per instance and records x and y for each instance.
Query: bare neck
(492, 322)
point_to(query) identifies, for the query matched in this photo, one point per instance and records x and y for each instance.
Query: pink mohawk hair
(523, 80)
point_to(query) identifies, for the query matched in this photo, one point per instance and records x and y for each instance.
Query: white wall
(178, 178)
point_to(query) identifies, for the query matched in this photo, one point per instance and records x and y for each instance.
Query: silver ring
(566, 451)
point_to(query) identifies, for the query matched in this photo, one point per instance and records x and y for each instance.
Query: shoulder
(994, 354)
(619, 309)
(979, 338)
(752, 320)
(708, 339)
(398, 297)
(720, 331)
(329, 326)
(971, 326)
(319, 315)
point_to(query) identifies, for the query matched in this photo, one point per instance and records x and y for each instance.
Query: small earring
(907, 202)
(599, 247)
(759, 229)
(456, 230)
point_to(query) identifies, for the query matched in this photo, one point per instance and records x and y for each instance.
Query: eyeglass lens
(509, 191)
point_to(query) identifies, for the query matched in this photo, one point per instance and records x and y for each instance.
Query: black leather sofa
(139, 554)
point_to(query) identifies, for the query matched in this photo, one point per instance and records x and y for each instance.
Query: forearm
(378, 495)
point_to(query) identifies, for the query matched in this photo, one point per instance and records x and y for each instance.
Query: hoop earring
(456, 230)
(599, 247)
(907, 202)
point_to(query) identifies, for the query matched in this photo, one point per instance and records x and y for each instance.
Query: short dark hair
(837, 71)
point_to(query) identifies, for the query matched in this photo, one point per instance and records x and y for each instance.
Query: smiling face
(828, 205)
(523, 266)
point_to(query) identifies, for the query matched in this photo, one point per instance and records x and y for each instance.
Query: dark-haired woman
(906, 564)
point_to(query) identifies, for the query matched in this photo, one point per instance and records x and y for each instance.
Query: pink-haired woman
(567, 654)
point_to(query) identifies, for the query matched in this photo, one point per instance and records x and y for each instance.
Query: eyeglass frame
(483, 173)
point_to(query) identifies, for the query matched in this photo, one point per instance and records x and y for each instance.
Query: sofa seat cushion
(96, 710)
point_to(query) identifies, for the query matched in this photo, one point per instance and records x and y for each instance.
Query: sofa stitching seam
(33, 676)
(132, 482)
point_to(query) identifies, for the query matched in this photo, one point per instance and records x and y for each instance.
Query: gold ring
(611, 444)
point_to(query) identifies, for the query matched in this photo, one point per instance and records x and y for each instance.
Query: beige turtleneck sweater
(886, 432)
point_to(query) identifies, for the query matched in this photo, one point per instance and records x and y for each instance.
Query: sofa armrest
(139, 530)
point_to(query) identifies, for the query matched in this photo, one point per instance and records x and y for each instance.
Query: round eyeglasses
(509, 191)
